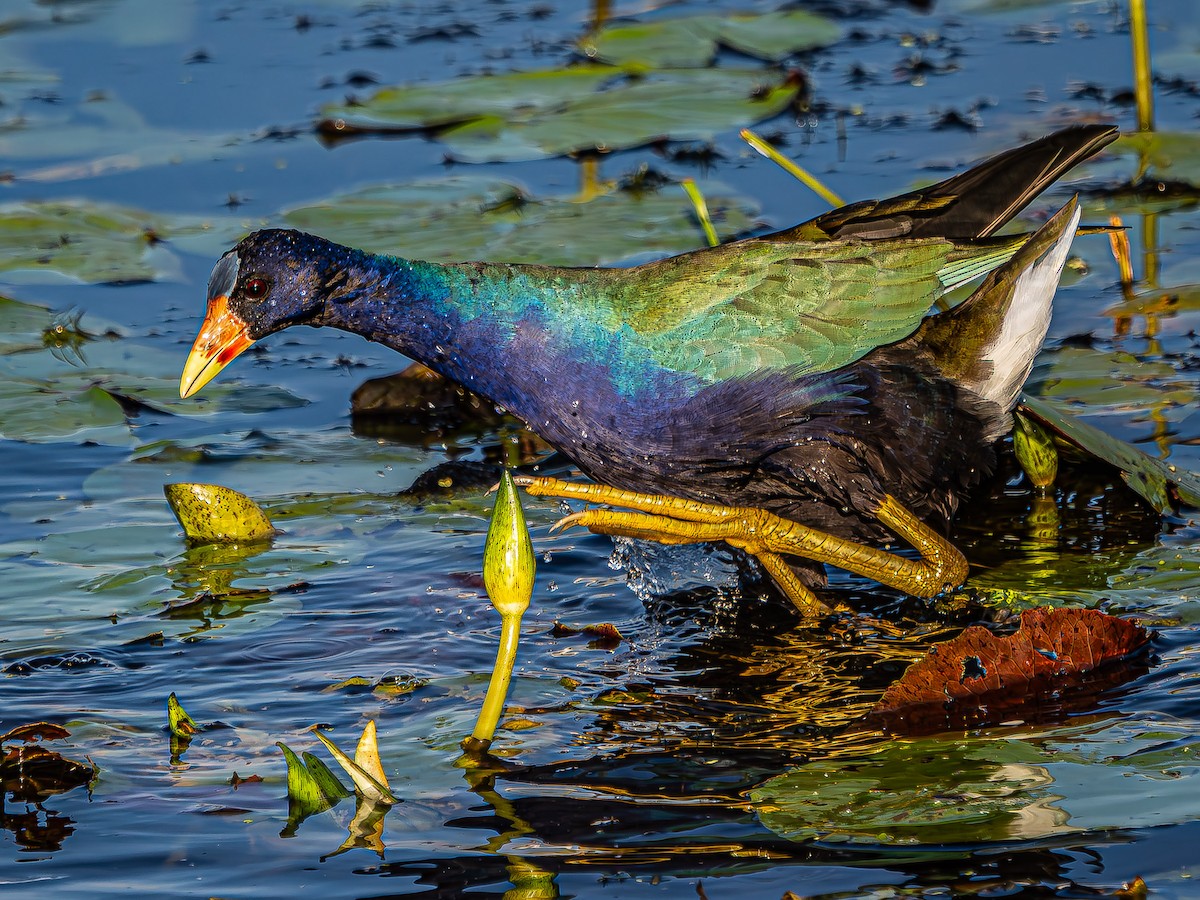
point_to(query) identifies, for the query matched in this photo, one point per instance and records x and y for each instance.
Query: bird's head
(272, 279)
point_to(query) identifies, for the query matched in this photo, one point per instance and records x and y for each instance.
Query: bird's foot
(767, 537)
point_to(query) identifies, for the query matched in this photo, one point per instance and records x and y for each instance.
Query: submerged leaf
(33, 773)
(210, 513)
(980, 678)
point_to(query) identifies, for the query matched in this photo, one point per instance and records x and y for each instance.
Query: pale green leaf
(367, 784)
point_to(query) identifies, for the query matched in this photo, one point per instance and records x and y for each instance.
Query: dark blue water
(644, 769)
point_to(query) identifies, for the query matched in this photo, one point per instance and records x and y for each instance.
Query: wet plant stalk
(701, 207)
(497, 692)
(1142, 82)
(809, 180)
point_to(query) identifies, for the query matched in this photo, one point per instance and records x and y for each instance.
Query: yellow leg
(765, 536)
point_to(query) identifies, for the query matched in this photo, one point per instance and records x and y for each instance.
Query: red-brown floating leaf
(980, 678)
(238, 780)
(31, 774)
(605, 633)
(35, 731)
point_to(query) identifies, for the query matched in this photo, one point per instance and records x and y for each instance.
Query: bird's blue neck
(544, 343)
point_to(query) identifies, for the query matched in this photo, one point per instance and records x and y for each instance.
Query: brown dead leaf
(981, 678)
(35, 731)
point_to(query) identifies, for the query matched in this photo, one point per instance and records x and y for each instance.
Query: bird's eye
(256, 288)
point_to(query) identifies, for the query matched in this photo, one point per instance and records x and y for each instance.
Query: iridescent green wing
(761, 304)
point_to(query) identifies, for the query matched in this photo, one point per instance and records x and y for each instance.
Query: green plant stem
(1143, 92)
(701, 207)
(497, 692)
(809, 180)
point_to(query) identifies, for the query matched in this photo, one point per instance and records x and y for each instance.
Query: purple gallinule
(787, 393)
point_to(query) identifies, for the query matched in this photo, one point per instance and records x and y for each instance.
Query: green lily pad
(1174, 153)
(1165, 301)
(99, 134)
(484, 218)
(98, 243)
(533, 115)
(694, 40)
(30, 413)
(1109, 381)
(912, 792)
(92, 242)
(974, 790)
(69, 378)
(1164, 579)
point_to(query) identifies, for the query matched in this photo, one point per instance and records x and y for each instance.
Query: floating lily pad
(67, 377)
(977, 789)
(1109, 381)
(92, 242)
(533, 115)
(694, 40)
(1165, 301)
(98, 243)
(98, 135)
(1175, 153)
(483, 218)
(912, 792)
